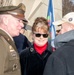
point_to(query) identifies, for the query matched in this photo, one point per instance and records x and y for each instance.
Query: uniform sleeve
(54, 66)
(2, 57)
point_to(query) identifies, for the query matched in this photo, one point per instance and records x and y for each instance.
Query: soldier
(11, 22)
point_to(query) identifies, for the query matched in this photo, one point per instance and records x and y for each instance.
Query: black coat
(61, 62)
(33, 63)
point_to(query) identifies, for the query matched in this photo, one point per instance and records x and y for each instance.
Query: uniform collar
(7, 38)
(6, 33)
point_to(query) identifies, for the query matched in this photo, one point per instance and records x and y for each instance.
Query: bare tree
(67, 6)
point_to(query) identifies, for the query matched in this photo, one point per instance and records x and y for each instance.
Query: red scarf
(40, 49)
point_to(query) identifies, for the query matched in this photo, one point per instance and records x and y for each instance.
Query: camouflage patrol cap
(16, 11)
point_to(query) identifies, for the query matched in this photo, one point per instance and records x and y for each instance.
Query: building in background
(37, 8)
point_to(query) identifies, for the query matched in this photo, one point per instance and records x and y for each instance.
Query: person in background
(61, 62)
(22, 41)
(34, 58)
(10, 25)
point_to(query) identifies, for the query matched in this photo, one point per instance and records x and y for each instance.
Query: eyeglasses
(57, 31)
(19, 20)
(39, 35)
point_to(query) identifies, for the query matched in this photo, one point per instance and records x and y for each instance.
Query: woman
(33, 59)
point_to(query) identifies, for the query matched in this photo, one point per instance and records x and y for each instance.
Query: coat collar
(49, 48)
(62, 39)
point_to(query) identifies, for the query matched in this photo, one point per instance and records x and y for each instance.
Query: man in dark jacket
(21, 42)
(61, 62)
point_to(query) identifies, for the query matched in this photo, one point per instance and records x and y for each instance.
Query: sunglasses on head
(39, 35)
